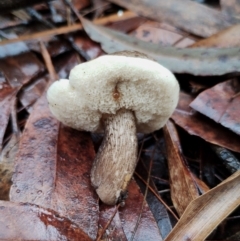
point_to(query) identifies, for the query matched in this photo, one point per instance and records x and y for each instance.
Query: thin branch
(67, 29)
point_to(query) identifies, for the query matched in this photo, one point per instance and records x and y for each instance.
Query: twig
(68, 29)
(48, 61)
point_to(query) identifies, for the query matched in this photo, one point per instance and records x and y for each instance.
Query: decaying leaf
(204, 213)
(198, 61)
(221, 103)
(199, 125)
(188, 15)
(183, 186)
(53, 169)
(31, 222)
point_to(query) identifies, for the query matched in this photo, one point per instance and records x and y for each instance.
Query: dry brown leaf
(31, 222)
(221, 103)
(63, 185)
(183, 186)
(188, 15)
(229, 37)
(204, 213)
(197, 61)
(199, 125)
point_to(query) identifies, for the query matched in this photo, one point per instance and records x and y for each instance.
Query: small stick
(48, 61)
(67, 29)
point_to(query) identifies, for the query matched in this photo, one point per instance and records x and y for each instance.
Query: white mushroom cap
(112, 82)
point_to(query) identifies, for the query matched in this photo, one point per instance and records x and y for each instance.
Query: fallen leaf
(231, 8)
(7, 159)
(154, 32)
(229, 37)
(21, 68)
(188, 15)
(221, 103)
(199, 125)
(147, 228)
(204, 213)
(26, 221)
(53, 168)
(198, 61)
(114, 230)
(7, 98)
(32, 92)
(183, 186)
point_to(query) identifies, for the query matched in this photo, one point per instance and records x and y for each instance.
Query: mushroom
(119, 94)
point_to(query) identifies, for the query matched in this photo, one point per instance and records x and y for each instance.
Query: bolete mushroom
(120, 94)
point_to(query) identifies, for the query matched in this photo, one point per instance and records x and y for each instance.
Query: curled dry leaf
(183, 186)
(221, 103)
(31, 222)
(188, 15)
(199, 125)
(53, 169)
(198, 61)
(204, 213)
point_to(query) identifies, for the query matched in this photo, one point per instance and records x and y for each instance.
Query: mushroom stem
(116, 159)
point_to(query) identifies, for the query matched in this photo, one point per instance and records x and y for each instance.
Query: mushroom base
(116, 159)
